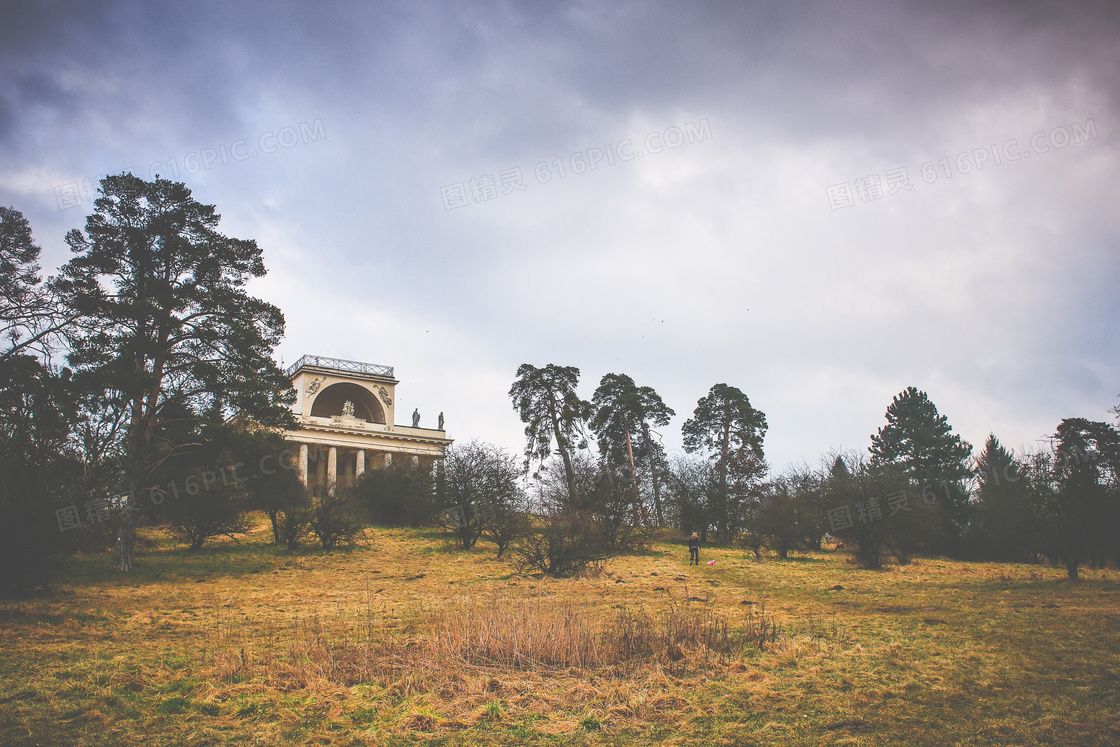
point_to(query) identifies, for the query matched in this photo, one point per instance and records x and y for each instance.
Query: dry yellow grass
(410, 641)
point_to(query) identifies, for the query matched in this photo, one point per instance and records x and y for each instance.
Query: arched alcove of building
(330, 401)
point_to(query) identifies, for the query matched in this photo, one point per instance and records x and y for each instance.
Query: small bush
(293, 525)
(562, 545)
(195, 519)
(398, 495)
(335, 520)
(508, 526)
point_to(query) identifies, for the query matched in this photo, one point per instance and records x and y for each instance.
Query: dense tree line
(138, 385)
(917, 489)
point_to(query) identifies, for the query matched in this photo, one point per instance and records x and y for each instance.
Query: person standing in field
(694, 549)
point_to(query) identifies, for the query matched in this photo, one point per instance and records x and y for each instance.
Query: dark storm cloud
(1000, 282)
(501, 75)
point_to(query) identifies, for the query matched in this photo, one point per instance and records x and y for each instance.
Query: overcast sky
(818, 203)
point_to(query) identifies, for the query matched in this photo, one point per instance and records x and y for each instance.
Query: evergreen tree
(275, 487)
(39, 469)
(163, 319)
(1078, 505)
(39, 473)
(776, 516)
(875, 511)
(401, 494)
(547, 402)
(919, 440)
(621, 423)
(1003, 527)
(730, 430)
(201, 492)
(29, 315)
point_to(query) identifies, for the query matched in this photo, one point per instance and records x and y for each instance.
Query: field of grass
(409, 641)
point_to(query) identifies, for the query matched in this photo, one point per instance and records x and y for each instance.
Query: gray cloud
(719, 260)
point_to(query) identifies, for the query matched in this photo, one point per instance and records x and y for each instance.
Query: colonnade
(335, 463)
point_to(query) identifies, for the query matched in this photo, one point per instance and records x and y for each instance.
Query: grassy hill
(410, 641)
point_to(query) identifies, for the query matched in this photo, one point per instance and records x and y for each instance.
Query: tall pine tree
(553, 413)
(623, 414)
(1003, 525)
(163, 319)
(919, 440)
(730, 430)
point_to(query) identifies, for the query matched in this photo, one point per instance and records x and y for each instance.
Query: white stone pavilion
(345, 412)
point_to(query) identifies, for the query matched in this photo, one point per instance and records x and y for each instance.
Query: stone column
(303, 464)
(320, 471)
(360, 464)
(332, 469)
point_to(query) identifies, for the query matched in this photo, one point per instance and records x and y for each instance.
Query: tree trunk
(1071, 569)
(633, 478)
(275, 525)
(569, 471)
(653, 476)
(725, 498)
(126, 543)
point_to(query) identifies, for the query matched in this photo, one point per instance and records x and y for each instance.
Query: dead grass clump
(620, 713)
(498, 658)
(533, 633)
(760, 629)
(419, 722)
(431, 653)
(663, 708)
(519, 633)
(581, 694)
